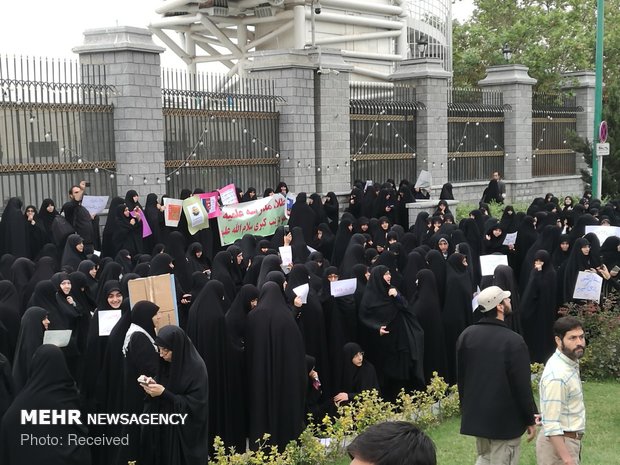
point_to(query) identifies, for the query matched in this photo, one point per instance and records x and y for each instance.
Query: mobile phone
(286, 229)
(615, 269)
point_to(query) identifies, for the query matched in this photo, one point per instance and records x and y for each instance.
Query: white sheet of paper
(310, 249)
(95, 204)
(489, 262)
(603, 232)
(424, 180)
(510, 239)
(368, 184)
(302, 291)
(343, 287)
(474, 303)
(588, 286)
(286, 254)
(57, 337)
(107, 321)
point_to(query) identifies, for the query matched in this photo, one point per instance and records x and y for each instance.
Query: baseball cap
(490, 297)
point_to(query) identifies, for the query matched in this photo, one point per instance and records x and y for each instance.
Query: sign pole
(597, 162)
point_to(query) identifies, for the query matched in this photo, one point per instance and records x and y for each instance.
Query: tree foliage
(550, 37)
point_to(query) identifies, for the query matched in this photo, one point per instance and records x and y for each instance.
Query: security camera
(317, 7)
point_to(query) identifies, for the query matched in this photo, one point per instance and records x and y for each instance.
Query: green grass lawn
(601, 445)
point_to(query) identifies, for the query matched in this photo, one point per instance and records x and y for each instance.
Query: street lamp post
(597, 162)
(507, 51)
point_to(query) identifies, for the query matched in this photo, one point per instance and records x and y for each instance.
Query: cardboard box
(161, 291)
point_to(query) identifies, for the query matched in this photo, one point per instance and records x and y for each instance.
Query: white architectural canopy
(372, 35)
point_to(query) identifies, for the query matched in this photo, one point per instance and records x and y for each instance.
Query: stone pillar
(516, 85)
(431, 83)
(314, 117)
(292, 73)
(582, 85)
(332, 122)
(132, 65)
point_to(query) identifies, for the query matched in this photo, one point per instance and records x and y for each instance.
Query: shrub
(602, 328)
(320, 444)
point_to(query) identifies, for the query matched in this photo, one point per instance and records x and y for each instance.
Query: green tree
(548, 36)
(610, 179)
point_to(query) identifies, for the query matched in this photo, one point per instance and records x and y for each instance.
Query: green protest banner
(259, 217)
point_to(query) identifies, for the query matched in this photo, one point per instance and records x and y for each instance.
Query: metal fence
(56, 128)
(554, 117)
(219, 130)
(475, 134)
(383, 131)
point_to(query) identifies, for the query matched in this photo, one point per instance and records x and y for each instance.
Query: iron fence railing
(475, 134)
(383, 131)
(554, 117)
(56, 127)
(237, 122)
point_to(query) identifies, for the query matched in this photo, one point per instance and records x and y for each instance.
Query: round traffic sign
(602, 132)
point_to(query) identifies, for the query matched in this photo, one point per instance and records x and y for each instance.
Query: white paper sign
(603, 232)
(368, 184)
(588, 286)
(489, 262)
(57, 337)
(424, 180)
(474, 301)
(95, 204)
(107, 321)
(286, 254)
(302, 291)
(343, 287)
(510, 239)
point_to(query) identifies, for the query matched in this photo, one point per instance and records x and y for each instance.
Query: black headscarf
(9, 318)
(194, 262)
(13, 238)
(111, 271)
(108, 246)
(356, 379)
(341, 241)
(186, 380)
(29, 339)
(236, 317)
(538, 309)
(331, 207)
(457, 311)
(303, 215)
(129, 201)
(426, 307)
(222, 271)
(270, 263)
(206, 327)
(47, 218)
(49, 386)
(274, 345)
(71, 256)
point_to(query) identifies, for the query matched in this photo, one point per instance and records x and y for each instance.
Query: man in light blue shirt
(561, 398)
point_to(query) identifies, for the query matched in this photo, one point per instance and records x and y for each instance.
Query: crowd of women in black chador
(250, 357)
